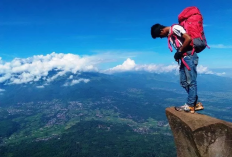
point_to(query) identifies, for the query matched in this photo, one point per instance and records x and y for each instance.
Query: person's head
(159, 30)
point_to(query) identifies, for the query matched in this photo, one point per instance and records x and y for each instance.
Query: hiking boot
(199, 106)
(185, 108)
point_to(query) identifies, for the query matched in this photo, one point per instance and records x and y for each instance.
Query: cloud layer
(73, 82)
(35, 68)
(221, 46)
(129, 65)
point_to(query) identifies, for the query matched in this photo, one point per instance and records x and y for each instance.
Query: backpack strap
(175, 40)
(183, 61)
(193, 51)
(169, 44)
(186, 65)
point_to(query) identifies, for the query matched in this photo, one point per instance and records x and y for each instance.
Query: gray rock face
(198, 135)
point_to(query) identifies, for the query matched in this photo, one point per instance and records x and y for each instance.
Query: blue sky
(118, 29)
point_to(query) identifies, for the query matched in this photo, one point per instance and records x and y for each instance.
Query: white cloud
(73, 82)
(5, 77)
(221, 46)
(61, 73)
(126, 66)
(34, 68)
(203, 70)
(157, 68)
(130, 65)
(39, 86)
(29, 70)
(78, 81)
(2, 90)
(220, 74)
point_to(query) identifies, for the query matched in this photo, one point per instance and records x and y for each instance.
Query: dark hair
(156, 29)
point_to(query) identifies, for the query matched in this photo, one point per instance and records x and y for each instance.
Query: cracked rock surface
(198, 135)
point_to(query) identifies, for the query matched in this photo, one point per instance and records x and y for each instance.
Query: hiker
(187, 77)
(186, 53)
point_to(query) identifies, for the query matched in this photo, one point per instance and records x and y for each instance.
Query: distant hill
(88, 85)
(128, 107)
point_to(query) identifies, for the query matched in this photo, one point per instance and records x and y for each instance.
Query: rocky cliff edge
(198, 135)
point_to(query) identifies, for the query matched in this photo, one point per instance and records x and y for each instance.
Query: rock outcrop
(198, 135)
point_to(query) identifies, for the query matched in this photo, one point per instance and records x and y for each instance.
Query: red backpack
(192, 21)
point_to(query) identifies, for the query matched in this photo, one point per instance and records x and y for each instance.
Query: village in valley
(44, 120)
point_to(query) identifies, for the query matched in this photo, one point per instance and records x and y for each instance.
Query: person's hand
(178, 56)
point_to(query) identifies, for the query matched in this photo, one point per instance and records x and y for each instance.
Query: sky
(104, 36)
